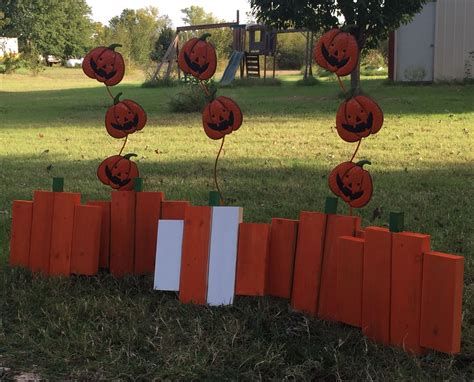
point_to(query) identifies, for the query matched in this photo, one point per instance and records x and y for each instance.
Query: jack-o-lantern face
(357, 118)
(124, 117)
(337, 52)
(104, 64)
(198, 58)
(118, 172)
(221, 117)
(352, 183)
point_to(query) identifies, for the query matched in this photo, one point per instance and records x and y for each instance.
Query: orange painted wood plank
(86, 241)
(148, 212)
(122, 233)
(173, 209)
(350, 263)
(308, 261)
(376, 284)
(195, 255)
(337, 225)
(281, 261)
(41, 222)
(407, 270)
(441, 302)
(22, 213)
(61, 232)
(104, 258)
(252, 259)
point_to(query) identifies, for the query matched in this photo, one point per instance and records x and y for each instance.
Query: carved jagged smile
(224, 124)
(101, 72)
(114, 179)
(194, 65)
(333, 60)
(127, 125)
(361, 126)
(347, 191)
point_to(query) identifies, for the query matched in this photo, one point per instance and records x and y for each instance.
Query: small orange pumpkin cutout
(337, 51)
(352, 183)
(220, 117)
(124, 117)
(198, 58)
(104, 64)
(358, 117)
(118, 172)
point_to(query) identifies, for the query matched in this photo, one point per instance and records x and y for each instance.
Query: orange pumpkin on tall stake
(104, 64)
(337, 51)
(220, 117)
(198, 58)
(124, 117)
(352, 183)
(118, 172)
(358, 117)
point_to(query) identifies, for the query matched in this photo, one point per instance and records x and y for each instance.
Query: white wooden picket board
(223, 255)
(168, 255)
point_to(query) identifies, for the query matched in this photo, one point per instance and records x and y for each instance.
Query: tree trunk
(355, 80)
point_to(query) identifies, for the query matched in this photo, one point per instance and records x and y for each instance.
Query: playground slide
(232, 66)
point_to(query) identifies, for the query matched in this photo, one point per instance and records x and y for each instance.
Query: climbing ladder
(252, 64)
(169, 59)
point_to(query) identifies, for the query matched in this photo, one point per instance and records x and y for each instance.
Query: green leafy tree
(369, 21)
(137, 32)
(58, 27)
(162, 44)
(221, 38)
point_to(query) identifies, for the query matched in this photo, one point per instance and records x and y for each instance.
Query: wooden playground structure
(249, 43)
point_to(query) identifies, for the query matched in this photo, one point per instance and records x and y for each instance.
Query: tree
(58, 27)
(162, 44)
(370, 21)
(137, 32)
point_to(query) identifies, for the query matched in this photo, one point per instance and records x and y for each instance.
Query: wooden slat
(61, 232)
(441, 302)
(376, 284)
(350, 262)
(308, 261)
(41, 222)
(407, 268)
(122, 233)
(282, 257)
(104, 258)
(337, 225)
(195, 255)
(168, 255)
(173, 209)
(252, 259)
(22, 213)
(223, 255)
(148, 212)
(86, 235)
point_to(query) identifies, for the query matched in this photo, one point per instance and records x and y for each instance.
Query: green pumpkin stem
(363, 162)
(128, 156)
(117, 98)
(113, 46)
(205, 36)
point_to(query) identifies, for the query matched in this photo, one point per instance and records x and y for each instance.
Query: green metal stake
(58, 184)
(396, 221)
(331, 205)
(214, 198)
(138, 184)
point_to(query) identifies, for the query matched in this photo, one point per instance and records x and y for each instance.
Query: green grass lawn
(275, 166)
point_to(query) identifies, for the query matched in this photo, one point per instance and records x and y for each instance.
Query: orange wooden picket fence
(389, 284)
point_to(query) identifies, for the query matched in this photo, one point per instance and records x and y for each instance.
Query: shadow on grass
(103, 328)
(87, 106)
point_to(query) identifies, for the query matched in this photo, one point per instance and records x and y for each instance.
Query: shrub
(10, 63)
(308, 81)
(160, 83)
(247, 82)
(192, 98)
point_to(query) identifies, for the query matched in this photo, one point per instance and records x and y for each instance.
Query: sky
(104, 10)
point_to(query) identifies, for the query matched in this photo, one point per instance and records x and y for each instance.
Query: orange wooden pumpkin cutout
(118, 172)
(337, 51)
(124, 117)
(352, 183)
(104, 64)
(198, 58)
(221, 117)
